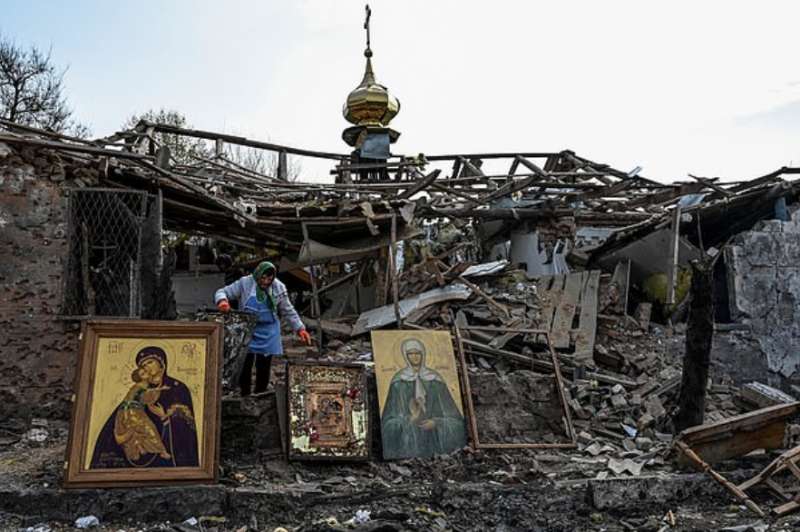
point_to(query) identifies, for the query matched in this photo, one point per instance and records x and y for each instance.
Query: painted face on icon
(152, 370)
(414, 358)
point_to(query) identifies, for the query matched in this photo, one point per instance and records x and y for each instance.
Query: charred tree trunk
(697, 358)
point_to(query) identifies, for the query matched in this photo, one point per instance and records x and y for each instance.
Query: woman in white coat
(266, 297)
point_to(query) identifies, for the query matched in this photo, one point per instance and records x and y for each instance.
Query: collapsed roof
(208, 193)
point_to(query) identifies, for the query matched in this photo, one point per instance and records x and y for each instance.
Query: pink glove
(224, 306)
(304, 336)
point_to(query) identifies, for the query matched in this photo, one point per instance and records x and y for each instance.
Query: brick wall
(38, 352)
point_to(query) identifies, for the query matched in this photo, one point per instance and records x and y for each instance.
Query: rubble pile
(621, 399)
(564, 289)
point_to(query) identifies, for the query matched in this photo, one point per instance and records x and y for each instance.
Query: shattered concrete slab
(385, 315)
(763, 268)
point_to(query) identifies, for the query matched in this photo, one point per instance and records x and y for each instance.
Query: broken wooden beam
(737, 436)
(730, 486)
(785, 462)
(540, 365)
(494, 304)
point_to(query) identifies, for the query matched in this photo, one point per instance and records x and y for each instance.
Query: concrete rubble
(762, 269)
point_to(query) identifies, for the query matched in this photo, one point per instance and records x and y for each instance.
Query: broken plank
(737, 436)
(538, 365)
(551, 294)
(698, 462)
(565, 311)
(584, 341)
(420, 185)
(492, 303)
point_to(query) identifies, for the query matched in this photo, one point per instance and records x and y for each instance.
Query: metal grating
(104, 262)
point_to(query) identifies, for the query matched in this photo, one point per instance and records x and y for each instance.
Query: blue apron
(267, 334)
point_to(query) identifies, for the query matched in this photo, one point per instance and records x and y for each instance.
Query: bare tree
(32, 91)
(261, 161)
(185, 150)
(182, 149)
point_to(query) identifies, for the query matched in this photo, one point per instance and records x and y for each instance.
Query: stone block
(250, 428)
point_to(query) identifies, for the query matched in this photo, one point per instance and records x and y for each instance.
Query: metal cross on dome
(367, 52)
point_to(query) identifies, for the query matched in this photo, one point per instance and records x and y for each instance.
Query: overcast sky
(709, 88)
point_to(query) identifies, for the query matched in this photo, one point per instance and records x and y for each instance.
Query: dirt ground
(465, 491)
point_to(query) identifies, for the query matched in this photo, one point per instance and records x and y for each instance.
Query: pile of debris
(562, 281)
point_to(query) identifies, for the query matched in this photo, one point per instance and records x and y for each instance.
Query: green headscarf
(261, 294)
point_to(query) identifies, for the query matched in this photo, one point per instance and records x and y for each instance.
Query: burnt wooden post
(696, 359)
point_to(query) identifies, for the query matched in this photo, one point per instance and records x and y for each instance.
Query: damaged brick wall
(764, 289)
(37, 351)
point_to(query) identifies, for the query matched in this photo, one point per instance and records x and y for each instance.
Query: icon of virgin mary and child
(420, 417)
(154, 425)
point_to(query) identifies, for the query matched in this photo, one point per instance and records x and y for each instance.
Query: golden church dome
(370, 104)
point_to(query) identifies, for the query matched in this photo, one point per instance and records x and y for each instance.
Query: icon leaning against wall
(146, 404)
(418, 393)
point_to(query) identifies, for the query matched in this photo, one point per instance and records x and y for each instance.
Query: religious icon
(418, 393)
(146, 404)
(156, 414)
(327, 411)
